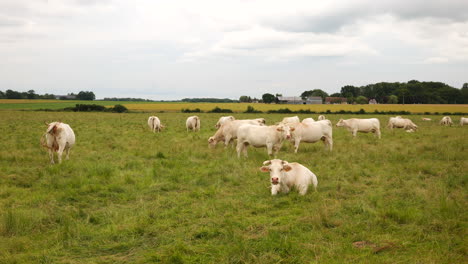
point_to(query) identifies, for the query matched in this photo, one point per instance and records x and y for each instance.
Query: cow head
(212, 142)
(284, 130)
(277, 168)
(340, 123)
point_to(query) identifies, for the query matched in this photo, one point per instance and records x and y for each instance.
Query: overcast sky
(166, 50)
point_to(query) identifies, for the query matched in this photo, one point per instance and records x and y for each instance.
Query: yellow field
(17, 104)
(241, 107)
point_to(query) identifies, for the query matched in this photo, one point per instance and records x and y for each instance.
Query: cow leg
(378, 133)
(275, 189)
(270, 148)
(227, 139)
(51, 156)
(296, 145)
(285, 189)
(67, 150)
(245, 149)
(355, 133)
(302, 189)
(59, 154)
(329, 140)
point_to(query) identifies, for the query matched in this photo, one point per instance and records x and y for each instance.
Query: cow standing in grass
(154, 124)
(463, 121)
(59, 137)
(311, 132)
(355, 125)
(271, 137)
(193, 123)
(446, 121)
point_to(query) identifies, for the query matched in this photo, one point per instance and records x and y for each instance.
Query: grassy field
(130, 196)
(236, 107)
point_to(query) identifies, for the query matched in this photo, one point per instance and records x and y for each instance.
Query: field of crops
(236, 107)
(130, 196)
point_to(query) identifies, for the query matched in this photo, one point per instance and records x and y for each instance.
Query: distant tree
(464, 93)
(392, 99)
(350, 91)
(362, 100)
(2, 95)
(268, 98)
(244, 99)
(32, 94)
(335, 95)
(85, 96)
(10, 94)
(316, 92)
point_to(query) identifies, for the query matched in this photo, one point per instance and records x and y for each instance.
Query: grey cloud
(331, 21)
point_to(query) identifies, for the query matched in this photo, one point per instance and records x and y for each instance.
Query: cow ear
(287, 168)
(264, 169)
(279, 129)
(292, 129)
(54, 129)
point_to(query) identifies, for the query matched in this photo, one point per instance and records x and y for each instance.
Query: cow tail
(43, 141)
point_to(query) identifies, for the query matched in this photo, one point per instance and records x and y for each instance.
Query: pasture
(128, 195)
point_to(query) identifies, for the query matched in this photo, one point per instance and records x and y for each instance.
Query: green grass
(130, 196)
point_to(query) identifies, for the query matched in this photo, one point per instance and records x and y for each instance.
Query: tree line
(31, 94)
(412, 92)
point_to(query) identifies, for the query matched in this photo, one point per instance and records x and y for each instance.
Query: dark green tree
(268, 98)
(316, 92)
(85, 95)
(244, 99)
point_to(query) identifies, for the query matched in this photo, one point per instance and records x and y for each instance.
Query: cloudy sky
(166, 50)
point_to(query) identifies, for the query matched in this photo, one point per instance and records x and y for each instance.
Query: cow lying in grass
(284, 176)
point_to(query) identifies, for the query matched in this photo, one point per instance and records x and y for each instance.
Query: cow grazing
(271, 137)
(59, 137)
(463, 121)
(311, 133)
(223, 120)
(321, 117)
(193, 123)
(293, 119)
(155, 124)
(399, 122)
(228, 131)
(446, 121)
(355, 125)
(284, 176)
(426, 119)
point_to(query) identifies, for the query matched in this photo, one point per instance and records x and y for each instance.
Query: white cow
(271, 137)
(399, 122)
(284, 176)
(261, 121)
(308, 120)
(193, 123)
(155, 124)
(426, 119)
(355, 125)
(463, 121)
(228, 131)
(293, 119)
(223, 120)
(446, 120)
(321, 117)
(311, 133)
(59, 137)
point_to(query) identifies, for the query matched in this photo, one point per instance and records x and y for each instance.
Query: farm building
(336, 100)
(299, 100)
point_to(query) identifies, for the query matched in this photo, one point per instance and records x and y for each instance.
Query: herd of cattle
(59, 137)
